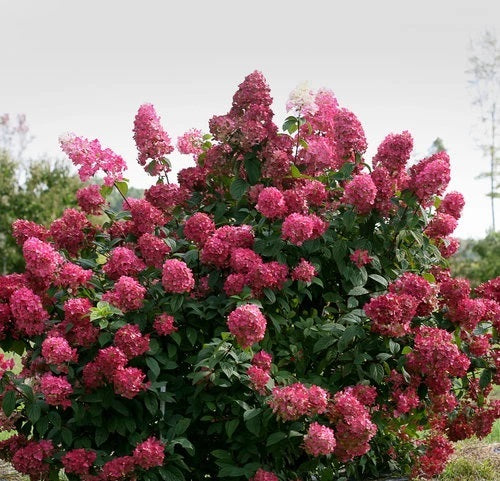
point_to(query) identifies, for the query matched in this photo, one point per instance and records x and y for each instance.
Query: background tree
(484, 80)
(38, 190)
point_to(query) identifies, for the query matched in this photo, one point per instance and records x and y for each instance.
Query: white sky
(87, 66)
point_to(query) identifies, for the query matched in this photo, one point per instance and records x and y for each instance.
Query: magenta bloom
(271, 203)
(360, 257)
(304, 271)
(56, 390)
(127, 294)
(123, 262)
(28, 312)
(164, 324)
(320, 440)
(262, 475)
(151, 139)
(90, 199)
(247, 324)
(394, 152)
(130, 340)
(91, 157)
(258, 378)
(57, 351)
(24, 229)
(198, 228)
(298, 228)
(129, 382)
(177, 277)
(42, 260)
(361, 193)
(149, 453)
(190, 142)
(78, 461)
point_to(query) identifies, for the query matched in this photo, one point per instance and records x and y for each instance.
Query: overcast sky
(86, 66)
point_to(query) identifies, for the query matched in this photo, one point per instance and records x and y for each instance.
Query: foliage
(284, 312)
(478, 260)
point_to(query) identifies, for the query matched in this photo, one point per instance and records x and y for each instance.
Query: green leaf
(381, 280)
(153, 365)
(406, 350)
(181, 426)
(106, 190)
(357, 291)
(231, 427)
(485, 378)
(275, 438)
(122, 187)
(252, 166)
(296, 174)
(9, 403)
(42, 425)
(151, 403)
(101, 435)
(322, 344)
(376, 372)
(394, 347)
(291, 124)
(67, 436)
(429, 277)
(238, 188)
(270, 295)
(34, 411)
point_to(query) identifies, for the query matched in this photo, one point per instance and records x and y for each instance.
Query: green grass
(463, 469)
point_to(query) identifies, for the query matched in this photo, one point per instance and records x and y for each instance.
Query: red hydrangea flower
(360, 257)
(150, 138)
(198, 228)
(304, 271)
(177, 277)
(258, 378)
(129, 382)
(24, 229)
(419, 288)
(29, 459)
(349, 135)
(149, 453)
(90, 199)
(298, 228)
(360, 192)
(430, 177)
(247, 324)
(442, 225)
(91, 157)
(164, 324)
(56, 390)
(42, 260)
(319, 440)
(122, 262)
(262, 475)
(127, 294)
(68, 231)
(130, 341)
(452, 204)
(271, 203)
(145, 215)
(118, 468)
(391, 314)
(153, 250)
(394, 152)
(290, 402)
(57, 351)
(28, 313)
(77, 327)
(432, 463)
(78, 461)
(190, 142)
(166, 196)
(72, 276)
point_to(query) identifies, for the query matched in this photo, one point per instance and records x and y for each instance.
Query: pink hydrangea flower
(28, 313)
(90, 199)
(78, 461)
(91, 157)
(72, 276)
(247, 324)
(77, 327)
(118, 468)
(290, 402)
(57, 351)
(442, 225)
(271, 203)
(70, 231)
(302, 99)
(394, 152)
(42, 260)
(360, 192)
(420, 289)
(320, 440)
(304, 271)
(151, 139)
(349, 134)
(164, 324)
(452, 204)
(262, 475)
(198, 228)
(145, 215)
(122, 262)
(130, 340)
(153, 250)
(56, 390)
(258, 378)
(127, 294)
(150, 453)
(109, 360)
(129, 382)
(360, 257)
(263, 360)
(190, 142)
(166, 196)
(298, 228)
(177, 277)
(24, 229)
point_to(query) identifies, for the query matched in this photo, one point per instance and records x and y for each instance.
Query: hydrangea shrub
(284, 312)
